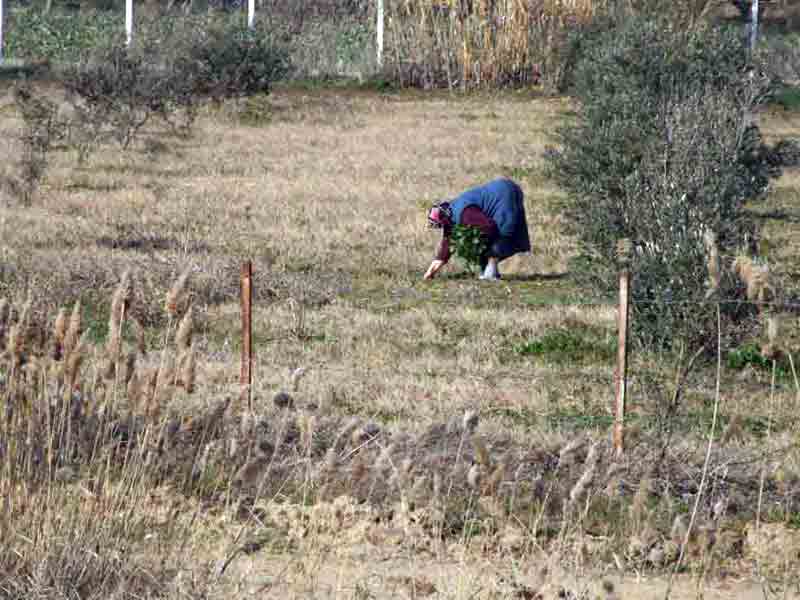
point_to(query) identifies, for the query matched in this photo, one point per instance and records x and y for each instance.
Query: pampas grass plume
(59, 333)
(119, 304)
(587, 477)
(571, 447)
(188, 370)
(712, 262)
(75, 360)
(73, 334)
(5, 312)
(141, 344)
(296, 376)
(183, 338)
(481, 452)
(474, 476)
(14, 344)
(176, 294)
(733, 431)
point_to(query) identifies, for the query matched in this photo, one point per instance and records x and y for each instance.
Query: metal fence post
(246, 377)
(624, 256)
(379, 32)
(128, 22)
(753, 25)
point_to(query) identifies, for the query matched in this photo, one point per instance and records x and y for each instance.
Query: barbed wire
(591, 303)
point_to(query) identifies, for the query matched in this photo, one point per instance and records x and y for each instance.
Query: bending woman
(498, 210)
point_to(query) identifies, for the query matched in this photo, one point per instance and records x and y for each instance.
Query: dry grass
(417, 433)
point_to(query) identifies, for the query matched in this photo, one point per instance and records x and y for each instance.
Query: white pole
(1, 31)
(251, 13)
(379, 36)
(753, 25)
(128, 21)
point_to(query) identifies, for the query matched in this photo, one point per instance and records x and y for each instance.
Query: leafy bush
(664, 152)
(751, 355)
(42, 127)
(34, 34)
(116, 91)
(169, 70)
(228, 60)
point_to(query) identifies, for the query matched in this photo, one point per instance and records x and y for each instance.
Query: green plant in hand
(469, 245)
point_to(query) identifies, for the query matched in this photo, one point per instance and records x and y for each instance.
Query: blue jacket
(502, 200)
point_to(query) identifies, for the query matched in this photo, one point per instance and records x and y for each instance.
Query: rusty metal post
(624, 256)
(246, 377)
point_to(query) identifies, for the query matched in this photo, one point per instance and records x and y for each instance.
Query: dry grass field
(445, 439)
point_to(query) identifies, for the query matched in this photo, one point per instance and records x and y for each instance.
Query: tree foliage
(665, 151)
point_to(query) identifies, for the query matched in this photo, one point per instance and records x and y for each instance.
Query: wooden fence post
(246, 377)
(624, 256)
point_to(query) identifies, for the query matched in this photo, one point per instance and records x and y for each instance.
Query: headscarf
(440, 215)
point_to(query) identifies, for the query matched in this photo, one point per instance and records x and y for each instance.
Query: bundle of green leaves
(469, 245)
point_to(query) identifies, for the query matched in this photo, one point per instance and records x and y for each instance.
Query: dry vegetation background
(419, 452)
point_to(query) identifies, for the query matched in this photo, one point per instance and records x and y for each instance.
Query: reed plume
(590, 468)
(59, 333)
(73, 363)
(73, 334)
(120, 302)
(5, 316)
(177, 294)
(183, 338)
(187, 371)
(712, 263)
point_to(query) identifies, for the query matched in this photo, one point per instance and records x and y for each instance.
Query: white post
(251, 13)
(1, 31)
(753, 25)
(128, 22)
(379, 35)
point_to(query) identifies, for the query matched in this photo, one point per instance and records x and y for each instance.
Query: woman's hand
(433, 269)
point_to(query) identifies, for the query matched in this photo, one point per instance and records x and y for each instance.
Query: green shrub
(41, 128)
(663, 151)
(750, 355)
(168, 71)
(224, 60)
(570, 346)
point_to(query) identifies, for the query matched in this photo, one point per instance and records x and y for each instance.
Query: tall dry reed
(481, 43)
